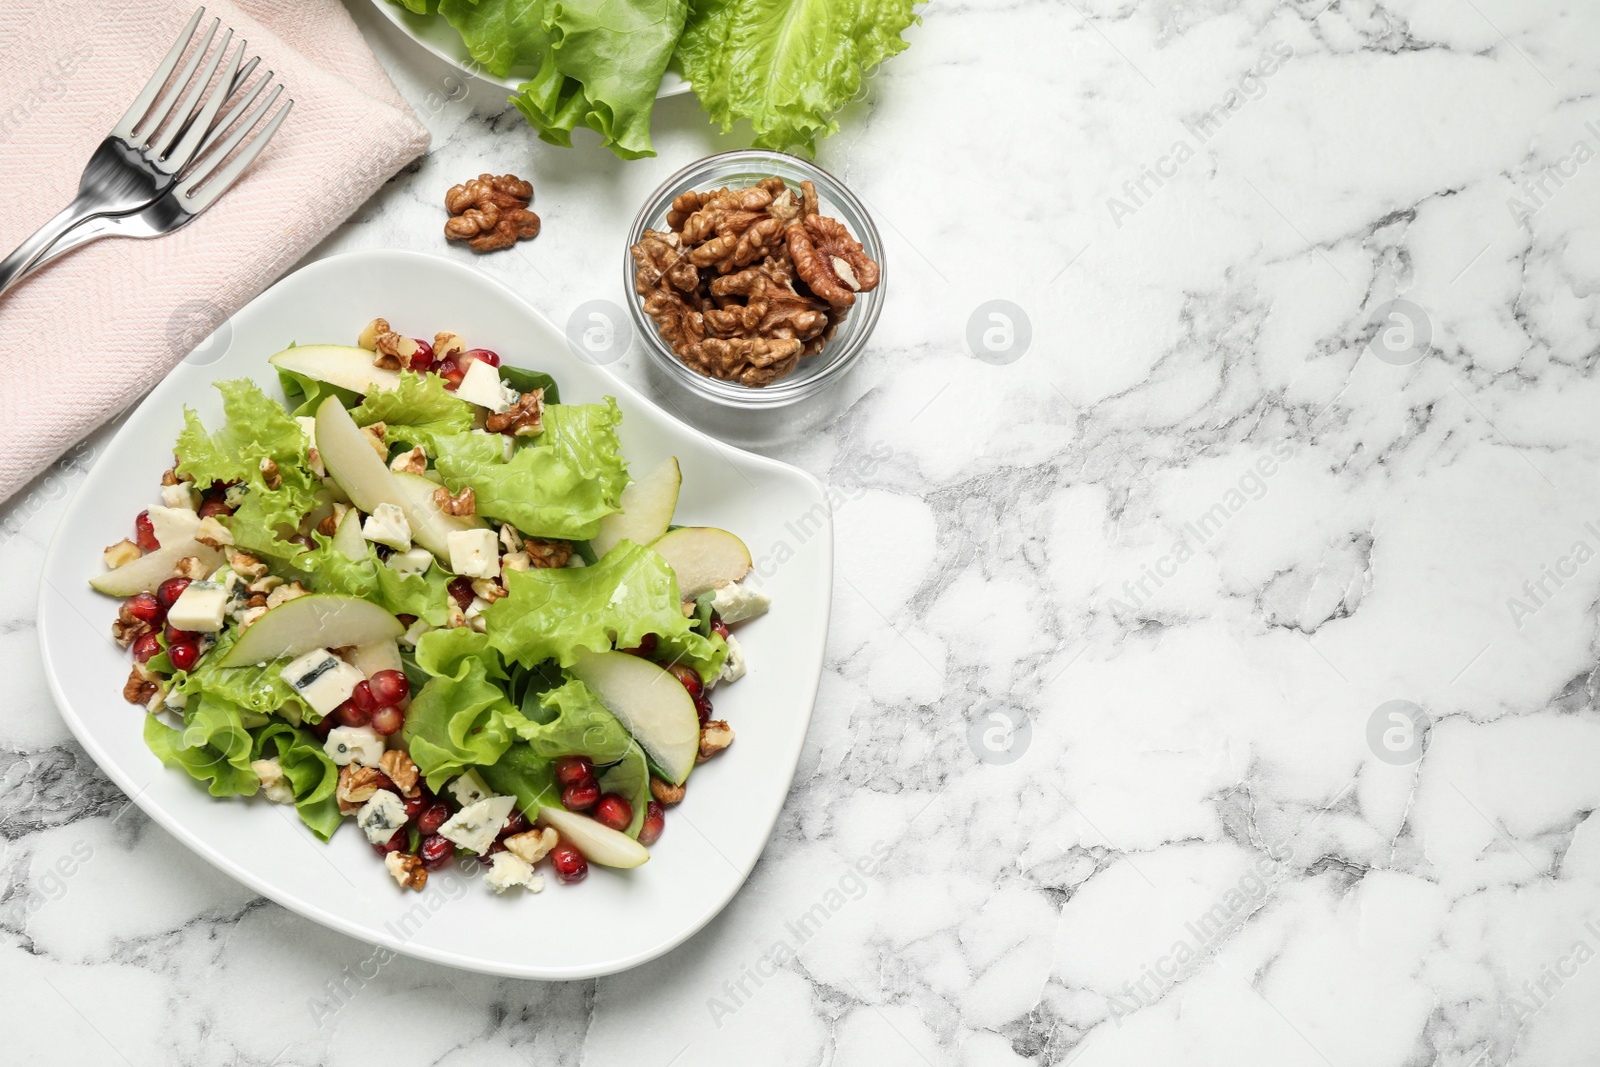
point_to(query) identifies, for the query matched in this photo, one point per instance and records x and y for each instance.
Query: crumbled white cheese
(481, 386)
(321, 679)
(474, 553)
(172, 525)
(507, 871)
(733, 666)
(475, 826)
(468, 789)
(474, 614)
(361, 745)
(183, 495)
(387, 525)
(412, 635)
(734, 603)
(411, 561)
(381, 816)
(274, 785)
(201, 607)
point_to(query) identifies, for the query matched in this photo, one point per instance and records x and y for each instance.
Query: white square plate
(614, 919)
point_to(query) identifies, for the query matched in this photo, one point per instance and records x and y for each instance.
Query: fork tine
(239, 79)
(199, 128)
(213, 150)
(163, 107)
(197, 202)
(141, 103)
(187, 110)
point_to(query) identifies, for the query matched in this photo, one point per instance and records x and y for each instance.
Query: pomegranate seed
(569, 863)
(396, 843)
(361, 697)
(719, 627)
(613, 811)
(580, 796)
(571, 770)
(146, 608)
(655, 820)
(422, 358)
(390, 687)
(646, 647)
(168, 592)
(350, 715)
(452, 376)
(433, 816)
(321, 729)
(414, 805)
(689, 677)
(176, 636)
(214, 505)
(183, 655)
(464, 360)
(516, 823)
(144, 532)
(145, 646)
(461, 589)
(436, 851)
(388, 719)
(702, 708)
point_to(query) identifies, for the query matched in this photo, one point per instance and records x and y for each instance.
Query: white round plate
(436, 35)
(614, 919)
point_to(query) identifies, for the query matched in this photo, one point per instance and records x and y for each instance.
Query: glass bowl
(813, 372)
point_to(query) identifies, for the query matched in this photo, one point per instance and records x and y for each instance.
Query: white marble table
(1200, 535)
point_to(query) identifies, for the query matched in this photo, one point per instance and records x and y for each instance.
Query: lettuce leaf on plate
(787, 65)
(571, 721)
(418, 411)
(253, 690)
(212, 746)
(500, 34)
(458, 719)
(311, 773)
(602, 69)
(560, 485)
(553, 613)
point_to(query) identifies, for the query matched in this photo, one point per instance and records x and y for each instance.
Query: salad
(424, 595)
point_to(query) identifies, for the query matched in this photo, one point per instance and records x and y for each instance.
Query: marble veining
(1212, 673)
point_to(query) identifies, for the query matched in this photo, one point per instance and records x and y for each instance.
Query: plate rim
(309, 909)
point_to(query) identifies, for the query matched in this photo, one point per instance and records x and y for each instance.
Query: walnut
(212, 533)
(395, 351)
(830, 261)
(532, 845)
(269, 473)
(401, 771)
(455, 615)
(715, 736)
(510, 538)
(463, 504)
(684, 205)
(264, 584)
(412, 462)
(285, 593)
(525, 418)
(662, 257)
(356, 786)
(406, 869)
(488, 588)
(169, 476)
(191, 567)
(447, 345)
(124, 551)
(126, 629)
(665, 792)
(250, 615)
(746, 360)
(547, 554)
(678, 317)
(808, 199)
(370, 334)
(374, 435)
(490, 213)
(515, 561)
(703, 223)
(139, 687)
(328, 526)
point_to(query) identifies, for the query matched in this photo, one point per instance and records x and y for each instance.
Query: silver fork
(136, 163)
(199, 188)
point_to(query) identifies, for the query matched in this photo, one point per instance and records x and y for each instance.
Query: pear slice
(321, 620)
(341, 365)
(650, 703)
(352, 461)
(647, 507)
(347, 537)
(142, 575)
(703, 557)
(378, 656)
(598, 843)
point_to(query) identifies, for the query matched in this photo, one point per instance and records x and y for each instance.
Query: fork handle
(16, 265)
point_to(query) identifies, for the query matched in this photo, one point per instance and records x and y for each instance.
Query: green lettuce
(303, 394)
(459, 718)
(212, 746)
(258, 690)
(553, 613)
(571, 721)
(312, 775)
(424, 595)
(522, 773)
(787, 65)
(416, 412)
(561, 485)
(500, 34)
(326, 569)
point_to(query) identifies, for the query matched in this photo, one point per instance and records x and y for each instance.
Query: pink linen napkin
(92, 332)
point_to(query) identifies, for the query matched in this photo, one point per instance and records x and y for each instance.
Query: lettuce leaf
(311, 773)
(325, 569)
(417, 412)
(787, 65)
(602, 69)
(212, 746)
(500, 34)
(303, 394)
(561, 485)
(571, 721)
(552, 613)
(523, 773)
(423, 595)
(458, 719)
(260, 690)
